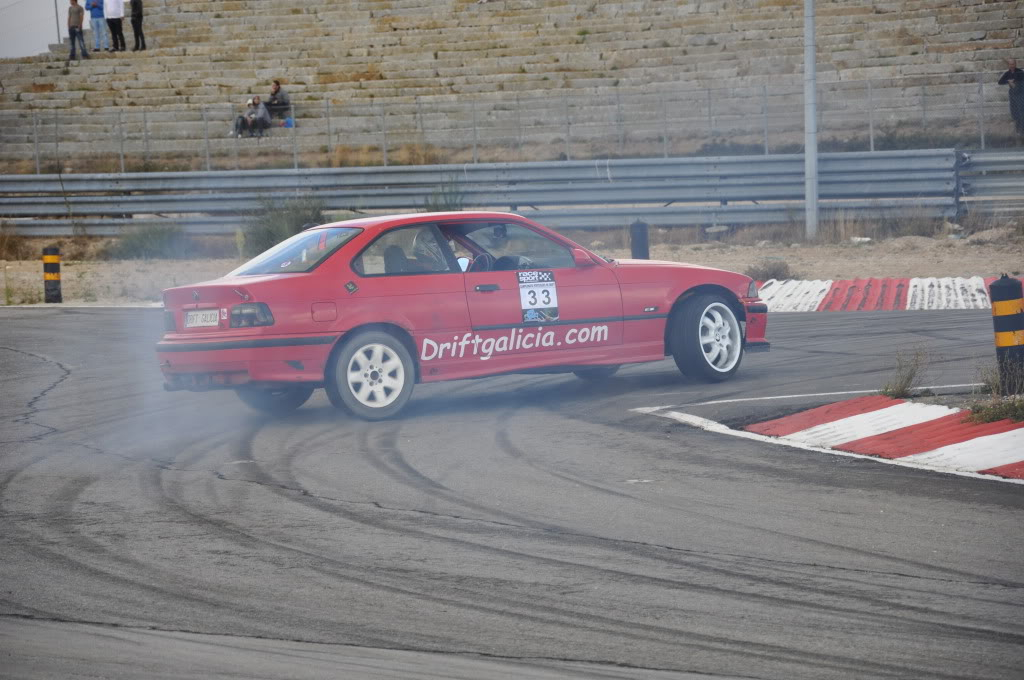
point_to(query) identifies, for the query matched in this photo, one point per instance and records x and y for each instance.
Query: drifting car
(367, 308)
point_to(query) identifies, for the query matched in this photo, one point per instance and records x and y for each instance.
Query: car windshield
(300, 253)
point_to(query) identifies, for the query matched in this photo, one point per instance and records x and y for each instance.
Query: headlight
(752, 289)
(251, 314)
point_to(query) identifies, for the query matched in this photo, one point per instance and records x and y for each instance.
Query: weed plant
(910, 367)
(274, 222)
(169, 241)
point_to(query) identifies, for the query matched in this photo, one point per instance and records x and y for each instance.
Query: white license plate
(202, 317)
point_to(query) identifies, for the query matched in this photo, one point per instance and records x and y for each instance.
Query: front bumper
(757, 327)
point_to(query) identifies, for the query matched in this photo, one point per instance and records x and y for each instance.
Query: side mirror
(463, 263)
(581, 258)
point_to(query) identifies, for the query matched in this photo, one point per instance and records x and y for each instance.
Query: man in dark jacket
(1014, 77)
(140, 38)
(279, 104)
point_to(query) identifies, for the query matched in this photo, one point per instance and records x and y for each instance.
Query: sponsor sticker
(538, 296)
(483, 347)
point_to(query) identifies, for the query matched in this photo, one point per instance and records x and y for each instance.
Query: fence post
(519, 126)
(664, 126)
(619, 122)
(120, 137)
(1008, 324)
(145, 138)
(234, 137)
(472, 105)
(711, 124)
(981, 109)
(295, 138)
(568, 129)
(871, 118)
(764, 115)
(330, 132)
(35, 140)
(924, 106)
(384, 134)
(56, 139)
(206, 138)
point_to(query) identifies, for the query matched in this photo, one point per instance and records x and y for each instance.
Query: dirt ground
(987, 253)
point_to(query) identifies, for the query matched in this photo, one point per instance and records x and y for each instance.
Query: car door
(408, 277)
(533, 306)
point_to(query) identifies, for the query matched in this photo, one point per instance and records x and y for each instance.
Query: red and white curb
(890, 430)
(876, 294)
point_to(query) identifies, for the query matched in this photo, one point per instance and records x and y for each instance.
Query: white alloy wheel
(706, 339)
(372, 375)
(375, 375)
(720, 339)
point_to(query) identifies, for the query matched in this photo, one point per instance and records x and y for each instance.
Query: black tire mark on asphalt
(287, 488)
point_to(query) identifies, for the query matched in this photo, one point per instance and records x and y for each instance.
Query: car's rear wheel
(372, 375)
(277, 400)
(706, 339)
(596, 372)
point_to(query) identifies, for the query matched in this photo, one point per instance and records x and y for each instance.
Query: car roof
(378, 222)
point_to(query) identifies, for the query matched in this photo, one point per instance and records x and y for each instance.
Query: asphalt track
(523, 526)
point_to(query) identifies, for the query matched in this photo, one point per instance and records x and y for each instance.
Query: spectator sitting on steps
(279, 104)
(255, 121)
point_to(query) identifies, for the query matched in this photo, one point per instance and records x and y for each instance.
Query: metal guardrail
(566, 194)
(993, 181)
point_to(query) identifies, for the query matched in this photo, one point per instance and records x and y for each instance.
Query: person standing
(1014, 77)
(98, 24)
(76, 17)
(113, 10)
(140, 38)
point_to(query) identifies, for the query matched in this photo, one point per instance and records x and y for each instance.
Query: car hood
(628, 263)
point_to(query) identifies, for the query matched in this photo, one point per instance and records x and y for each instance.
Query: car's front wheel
(706, 339)
(372, 375)
(277, 400)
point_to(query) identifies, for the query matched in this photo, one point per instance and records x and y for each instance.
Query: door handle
(487, 287)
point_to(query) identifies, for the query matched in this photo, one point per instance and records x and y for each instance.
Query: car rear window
(300, 253)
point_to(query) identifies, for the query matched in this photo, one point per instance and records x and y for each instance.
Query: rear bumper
(200, 365)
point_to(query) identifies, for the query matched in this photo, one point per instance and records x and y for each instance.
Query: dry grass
(911, 365)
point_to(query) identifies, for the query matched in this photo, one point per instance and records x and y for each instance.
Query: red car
(367, 308)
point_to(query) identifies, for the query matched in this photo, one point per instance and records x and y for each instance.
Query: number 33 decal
(538, 296)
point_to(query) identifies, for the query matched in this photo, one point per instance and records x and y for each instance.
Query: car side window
(516, 247)
(407, 250)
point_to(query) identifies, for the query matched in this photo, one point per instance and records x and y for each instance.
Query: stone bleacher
(431, 53)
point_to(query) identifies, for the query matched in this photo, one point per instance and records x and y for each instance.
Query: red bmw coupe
(367, 308)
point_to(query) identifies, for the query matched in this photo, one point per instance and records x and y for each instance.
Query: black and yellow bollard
(51, 274)
(1008, 322)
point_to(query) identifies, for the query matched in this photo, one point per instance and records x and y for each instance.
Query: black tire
(277, 400)
(596, 372)
(372, 375)
(706, 339)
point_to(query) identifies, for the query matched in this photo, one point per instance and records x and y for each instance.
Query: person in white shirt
(113, 10)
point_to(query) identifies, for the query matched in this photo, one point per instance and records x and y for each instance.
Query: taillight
(169, 323)
(251, 314)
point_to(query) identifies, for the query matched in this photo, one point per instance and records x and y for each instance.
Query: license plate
(201, 318)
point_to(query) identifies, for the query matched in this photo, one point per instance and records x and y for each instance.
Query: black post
(639, 241)
(51, 274)
(1008, 323)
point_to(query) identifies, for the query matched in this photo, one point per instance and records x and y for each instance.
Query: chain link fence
(864, 115)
